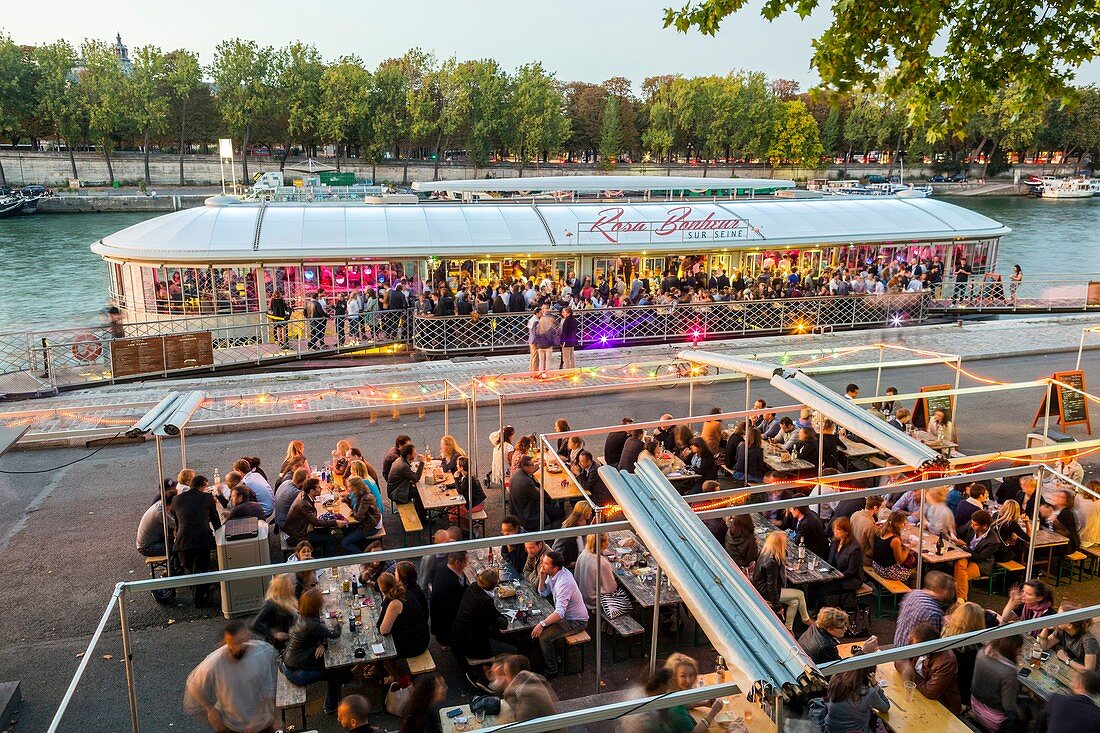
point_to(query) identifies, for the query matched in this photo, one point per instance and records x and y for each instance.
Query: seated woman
(996, 686)
(853, 698)
(421, 711)
(366, 515)
(1074, 643)
(676, 719)
(891, 559)
(523, 447)
(1012, 529)
(846, 556)
(748, 466)
(938, 517)
(1033, 599)
(370, 572)
(702, 463)
(364, 470)
(936, 674)
(770, 580)
(733, 442)
(468, 485)
(585, 573)
(804, 445)
(964, 619)
(740, 541)
(278, 612)
(304, 659)
(449, 453)
(404, 620)
(306, 579)
(570, 547)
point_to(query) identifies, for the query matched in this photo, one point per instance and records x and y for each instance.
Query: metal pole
(542, 484)
(597, 520)
(1034, 522)
(500, 447)
(446, 410)
(128, 662)
(878, 372)
(183, 448)
(955, 401)
(1046, 418)
(656, 621)
(164, 510)
(1080, 349)
(471, 421)
(691, 393)
(920, 542)
(748, 405)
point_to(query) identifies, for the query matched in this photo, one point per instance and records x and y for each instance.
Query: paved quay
(271, 398)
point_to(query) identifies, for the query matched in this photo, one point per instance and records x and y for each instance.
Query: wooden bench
(624, 627)
(1073, 559)
(285, 546)
(578, 639)
(1094, 558)
(156, 561)
(421, 664)
(884, 587)
(410, 520)
(289, 696)
(477, 523)
(1001, 571)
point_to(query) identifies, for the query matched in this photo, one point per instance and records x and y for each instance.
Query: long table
(816, 570)
(526, 598)
(773, 457)
(737, 708)
(951, 551)
(1050, 678)
(339, 606)
(449, 724)
(638, 582)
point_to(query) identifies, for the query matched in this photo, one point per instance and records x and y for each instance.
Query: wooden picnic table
(816, 570)
(340, 652)
(772, 457)
(526, 595)
(1052, 677)
(638, 582)
(737, 709)
(918, 714)
(942, 446)
(855, 449)
(449, 724)
(438, 494)
(951, 551)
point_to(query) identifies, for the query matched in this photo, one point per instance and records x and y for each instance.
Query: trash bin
(245, 547)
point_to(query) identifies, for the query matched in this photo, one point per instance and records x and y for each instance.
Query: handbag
(910, 560)
(396, 698)
(488, 704)
(616, 603)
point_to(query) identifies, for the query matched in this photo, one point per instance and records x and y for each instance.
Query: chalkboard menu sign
(134, 356)
(1070, 407)
(188, 350)
(925, 407)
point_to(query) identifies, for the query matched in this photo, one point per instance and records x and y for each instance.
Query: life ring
(86, 347)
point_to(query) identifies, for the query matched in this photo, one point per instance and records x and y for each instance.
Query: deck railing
(1047, 293)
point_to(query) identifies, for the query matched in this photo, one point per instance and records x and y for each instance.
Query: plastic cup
(910, 690)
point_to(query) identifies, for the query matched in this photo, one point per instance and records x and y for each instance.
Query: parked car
(937, 179)
(958, 178)
(875, 178)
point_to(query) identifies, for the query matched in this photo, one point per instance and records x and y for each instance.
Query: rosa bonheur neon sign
(611, 223)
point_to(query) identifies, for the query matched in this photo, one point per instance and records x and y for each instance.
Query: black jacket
(1069, 714)
(769, 578)
(270, 619)
(195, 513)
(732, 443)
(523, 500)
(302, 519)
(848, 560)
(470, 486)
(447, 592)
(632, 448)
(305, 635)
(593, 484)
(811, 529)
(570, 330)
(1065, 524)
(397, 301)
(820, 646)
(753, 467)
(402, 479)
(613, 447)
(476, 621)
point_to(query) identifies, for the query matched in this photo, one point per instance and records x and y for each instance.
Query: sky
(577, 40)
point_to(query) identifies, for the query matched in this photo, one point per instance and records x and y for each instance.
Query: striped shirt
(918, 607)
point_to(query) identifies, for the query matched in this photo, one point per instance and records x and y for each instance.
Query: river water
(51, 279)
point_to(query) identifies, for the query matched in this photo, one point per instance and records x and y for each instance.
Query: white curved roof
(251, 233)
(604, 183)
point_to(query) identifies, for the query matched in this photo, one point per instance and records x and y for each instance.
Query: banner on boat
(681, 224)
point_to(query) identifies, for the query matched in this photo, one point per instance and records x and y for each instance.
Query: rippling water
(51, 279)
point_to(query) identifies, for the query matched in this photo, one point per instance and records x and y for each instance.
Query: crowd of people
(441, 598)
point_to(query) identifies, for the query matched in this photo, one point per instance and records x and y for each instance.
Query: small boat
(20, 203)
(1065, 189)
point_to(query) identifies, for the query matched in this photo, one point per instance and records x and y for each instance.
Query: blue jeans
(304, 677)
(355, 540)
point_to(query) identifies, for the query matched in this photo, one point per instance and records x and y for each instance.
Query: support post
(163, 511)
(878, 372)
(1080, 349)
(183, 448)
(128, 662)
(656, 621)
(920, 543)
(691, 392)
(955, 400)
(542, 484)
(597, 520)
(446, 408)
(1036, 501)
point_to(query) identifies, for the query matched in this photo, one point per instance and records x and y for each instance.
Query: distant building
(122, 53)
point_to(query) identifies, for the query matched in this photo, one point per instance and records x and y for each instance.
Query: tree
(537, 117)
(584, 105)
(1002, 125)
(105, 91)
(611, 134)
(299, 83)
(1082, 126)
(183, 80)
(55, 104)
(661, 134)
(831, 130)
(951, 57)
(797, 138)
(755, 108)
(345, 103)
(389, 126)
(16, 91)
(241, 74)
(148, 96)
(481, 102)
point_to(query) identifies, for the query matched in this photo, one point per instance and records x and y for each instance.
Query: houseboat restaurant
(230, 255)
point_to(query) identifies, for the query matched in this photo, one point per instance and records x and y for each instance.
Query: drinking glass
(480, 715)
(910, 689)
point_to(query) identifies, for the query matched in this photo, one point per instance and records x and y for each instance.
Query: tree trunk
(244, 157)
(72, 158)
(110, 168)
(438, 155)
(706, 165)
(183, 133)
(282, 161)
(337, 148)
(148, 134)
(374, 173)
(668, 163)
(405, 166)
(992, 152)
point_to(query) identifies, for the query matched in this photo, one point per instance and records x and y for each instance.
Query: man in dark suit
(398, 301)
(448, 586)
(809, 528)
(477, 626)
(196, 519)
(613, 445)
(589, 479)
(901, 418)
(523, 496)
(1074, 713)
(632, 448)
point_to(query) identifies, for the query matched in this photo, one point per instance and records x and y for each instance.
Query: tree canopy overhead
(949, 58)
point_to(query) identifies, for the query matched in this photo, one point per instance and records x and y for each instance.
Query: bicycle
(682, 369)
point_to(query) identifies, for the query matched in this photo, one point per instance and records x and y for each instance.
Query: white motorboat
(1065, 189)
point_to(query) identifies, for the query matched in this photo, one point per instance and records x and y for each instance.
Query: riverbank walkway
(273, 398)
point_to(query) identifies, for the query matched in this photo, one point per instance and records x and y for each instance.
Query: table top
(1050, 678)
(736, 707)
(1045, 538)
(951, 551)
(450, 725)
(441, 494)
(559, 487)
(341, 652)
(855, 449)
(918, 714)
(638, 582)
(509, 577)
(933, 442)
(775, 463)
(816, 570)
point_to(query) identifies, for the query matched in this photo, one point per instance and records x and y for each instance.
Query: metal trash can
(246, 547)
